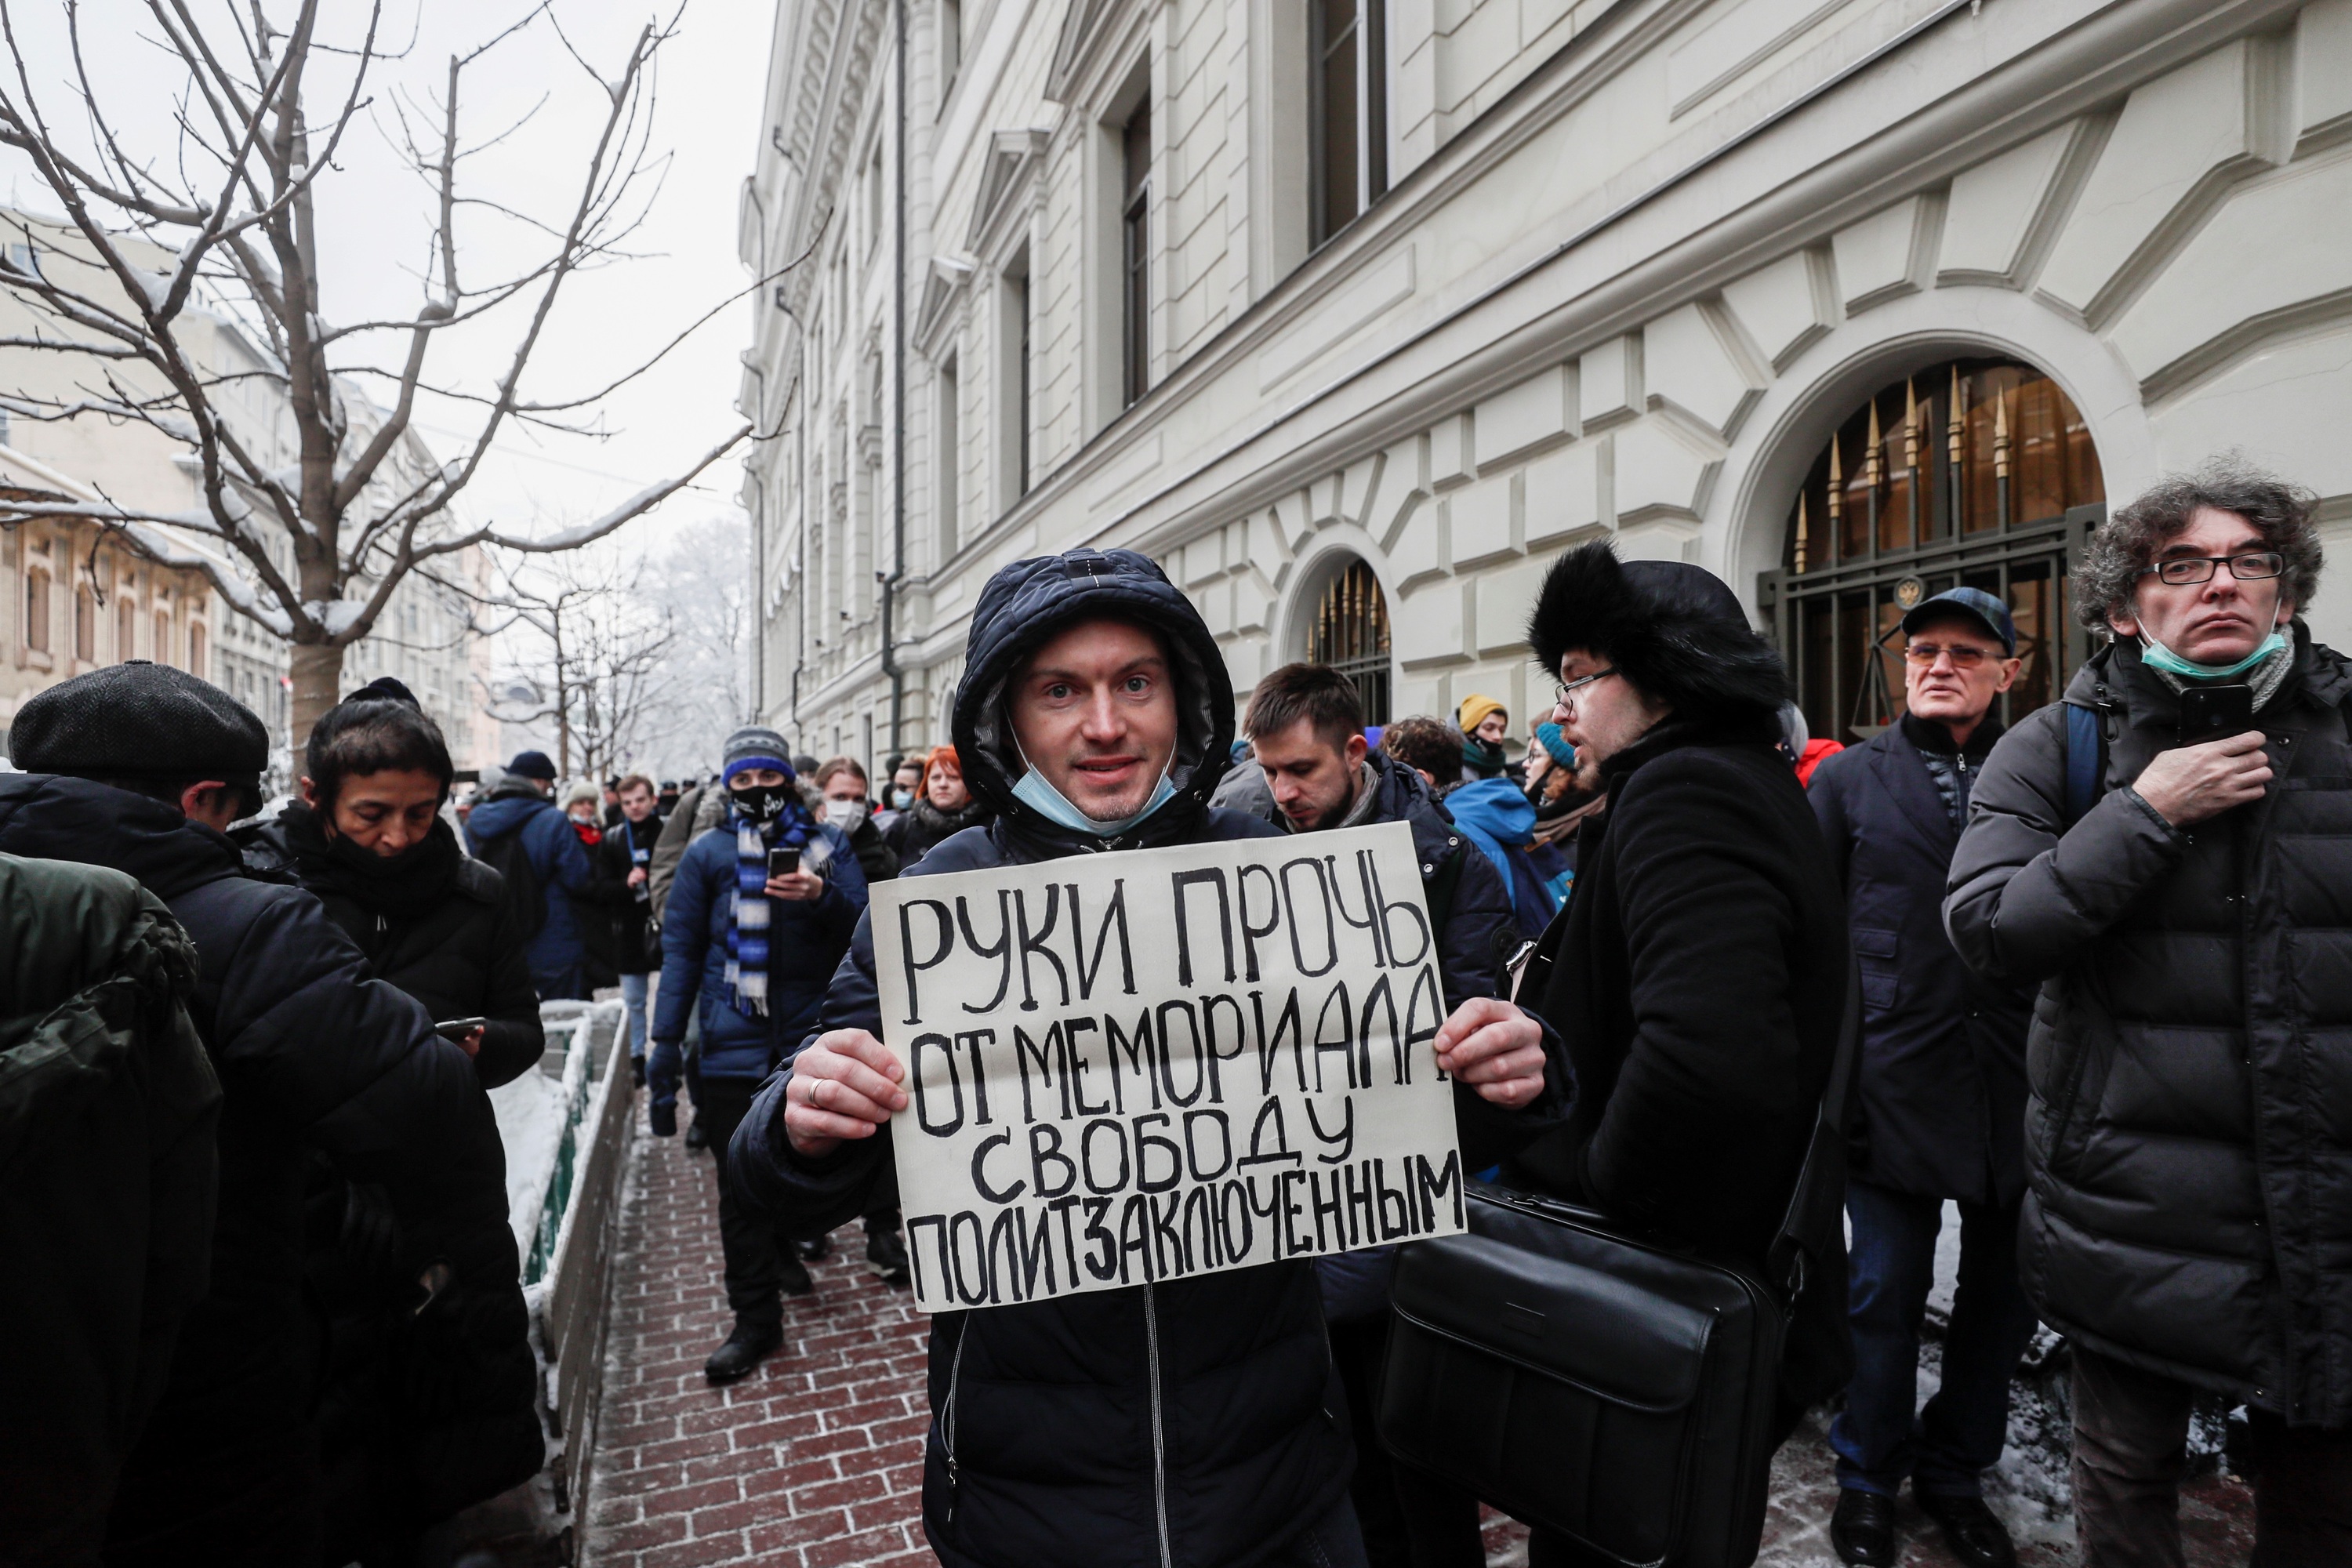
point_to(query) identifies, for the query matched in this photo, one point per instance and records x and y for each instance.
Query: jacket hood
(1675, 631)
(52, 816)
(501, 813)
(1496, 807)
(1024, 605)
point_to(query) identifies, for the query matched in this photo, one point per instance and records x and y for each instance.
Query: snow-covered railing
(566, 1127)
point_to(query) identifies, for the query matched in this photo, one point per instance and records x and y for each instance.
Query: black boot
(885, 1254)
(1862, 1528)
(745, 1348)
(636, 1072)
(1973, 1531)
(796, 1281)
(811, 1251)
(694, 1136)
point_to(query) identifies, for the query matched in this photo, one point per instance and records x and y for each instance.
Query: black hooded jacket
(432, 924)
(313, 1053)
(1197, 1422)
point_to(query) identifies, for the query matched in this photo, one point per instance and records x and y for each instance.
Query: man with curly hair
(2185, 903)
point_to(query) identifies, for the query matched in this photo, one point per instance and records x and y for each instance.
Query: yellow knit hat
(1474, 710)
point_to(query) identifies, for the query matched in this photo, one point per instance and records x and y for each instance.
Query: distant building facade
(1356, 313)
(174, 616)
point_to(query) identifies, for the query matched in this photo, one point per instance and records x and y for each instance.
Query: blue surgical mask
(902, 799)
(1034, 792)
(2158, 657)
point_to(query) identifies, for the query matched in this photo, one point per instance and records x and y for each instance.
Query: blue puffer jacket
(559, 862)
(1501, 820)
(805, 941)
(1193, 1422)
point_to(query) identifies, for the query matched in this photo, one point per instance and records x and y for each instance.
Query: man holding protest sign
(1172, 1403)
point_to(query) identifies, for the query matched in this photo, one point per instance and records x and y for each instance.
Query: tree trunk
(318, 686)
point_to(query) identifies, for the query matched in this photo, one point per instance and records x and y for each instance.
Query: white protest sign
(1161, 1063)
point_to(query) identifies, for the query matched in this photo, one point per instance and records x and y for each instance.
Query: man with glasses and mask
(2184, 899)
(1941, 1096)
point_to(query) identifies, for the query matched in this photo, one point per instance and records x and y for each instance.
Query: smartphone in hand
(783, 863)
(2215, 712)
(458, 1028)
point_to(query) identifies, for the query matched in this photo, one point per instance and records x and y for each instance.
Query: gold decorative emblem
(1909, 591)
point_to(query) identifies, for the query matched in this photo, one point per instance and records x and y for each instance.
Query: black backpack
(526, 909)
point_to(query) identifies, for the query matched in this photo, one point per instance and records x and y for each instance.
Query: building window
(196, 652)
(874, 201)
(85, 626)
(1348, 125)
(1135, 254)
(1350, 633)
(162, 651)
(950, 391)
(950, 46)
(126, 629)
(1974, 472)
(37, 611)
(1013, 383)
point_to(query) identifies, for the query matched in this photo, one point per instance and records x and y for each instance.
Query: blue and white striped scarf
(747, 929)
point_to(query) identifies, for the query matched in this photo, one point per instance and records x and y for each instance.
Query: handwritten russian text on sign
(1149, 1065)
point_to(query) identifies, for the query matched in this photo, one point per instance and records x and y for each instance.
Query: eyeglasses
(1925, 654)
(2186, 569)
(1563, 693)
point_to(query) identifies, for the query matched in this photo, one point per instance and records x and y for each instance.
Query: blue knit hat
(1557, 744)
(755, 746)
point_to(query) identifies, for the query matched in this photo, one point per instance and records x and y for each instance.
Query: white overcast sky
(374, 218)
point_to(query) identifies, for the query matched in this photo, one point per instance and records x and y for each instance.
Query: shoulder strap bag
(1604, 1387)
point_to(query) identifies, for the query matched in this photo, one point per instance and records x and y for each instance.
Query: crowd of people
(2094, 956)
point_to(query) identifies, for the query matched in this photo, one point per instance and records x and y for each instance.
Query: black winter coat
(1941, 1092)
(108, 1105)
(1698, 976)
(435, 927)
(923, 826)
(618, 922)
(2188, 1142)
(312, 1052)
(1074, 1432)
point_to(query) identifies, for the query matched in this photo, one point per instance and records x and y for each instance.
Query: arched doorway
(1975, 471)
(1349, 631)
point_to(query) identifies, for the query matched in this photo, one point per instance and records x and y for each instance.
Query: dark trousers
(1411, 1518)
(2131, 1449)
(1882, 1437)
(755, 1269)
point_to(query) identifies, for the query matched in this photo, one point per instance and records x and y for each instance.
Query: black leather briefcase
(1590, 1383)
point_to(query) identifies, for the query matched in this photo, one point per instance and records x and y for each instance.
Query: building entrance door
(1977, 473)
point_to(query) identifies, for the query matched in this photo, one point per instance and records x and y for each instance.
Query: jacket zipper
(955, 1381)
(1158, 1437)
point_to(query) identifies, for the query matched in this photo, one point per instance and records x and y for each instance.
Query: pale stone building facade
(1355, 314)
(139, 610)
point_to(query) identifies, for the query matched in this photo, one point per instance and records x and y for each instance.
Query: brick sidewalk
(815, 1460)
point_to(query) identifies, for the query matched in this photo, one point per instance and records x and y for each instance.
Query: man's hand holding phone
(845, 1084)
(2190, 784)
(786, 879)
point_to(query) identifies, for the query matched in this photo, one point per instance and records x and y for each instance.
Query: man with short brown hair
(1306, 726)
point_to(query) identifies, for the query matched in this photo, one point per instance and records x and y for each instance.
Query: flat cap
(138, 719)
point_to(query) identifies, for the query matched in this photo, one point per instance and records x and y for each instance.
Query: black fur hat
(1675, 631)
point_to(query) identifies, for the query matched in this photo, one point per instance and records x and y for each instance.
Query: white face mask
(845, 814)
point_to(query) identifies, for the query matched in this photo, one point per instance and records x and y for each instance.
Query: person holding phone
(2183, 899)
(760, 913)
